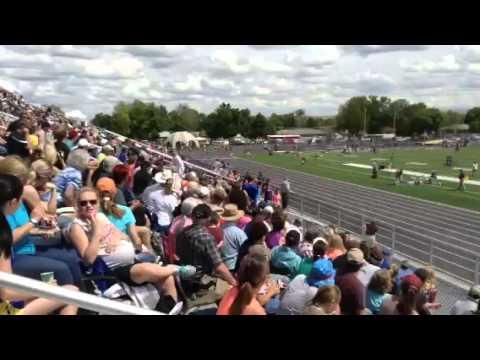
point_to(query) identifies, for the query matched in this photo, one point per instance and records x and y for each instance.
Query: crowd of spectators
(75, 198)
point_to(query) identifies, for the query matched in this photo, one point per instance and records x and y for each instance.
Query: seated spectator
(403, 271)
(120, 176)
(255, 243)
(296, 226)
(93, 235)
(142, 177)
(406, 302)
(302, 289)
(14, 165)
(62, 149)
(326, 302)
(217, 199)
(47, 191)
(305, 249)
(335, 247)
(107, 150)
(238, 196)
(367, 270)
(318, 252)
(275, 237)
(120, 216)
(196, 246)
(378, 290)
(242, 299)
(105, 169)
(353, 291)
(350, 243)
(32, 304)
(179, 223)
(285, 260)
(233, 236)
(69, 180)
(17, 143)
(429, 291)
(31, 258)
(215, 228)
(469, 305)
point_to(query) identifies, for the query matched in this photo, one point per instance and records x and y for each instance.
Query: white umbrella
(182, 137)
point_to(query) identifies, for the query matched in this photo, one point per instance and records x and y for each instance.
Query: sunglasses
(84, 203)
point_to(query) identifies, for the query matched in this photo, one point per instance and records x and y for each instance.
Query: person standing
(474, 168)
(374, 170)
(179, 165)
(285, 192)
(461, 181)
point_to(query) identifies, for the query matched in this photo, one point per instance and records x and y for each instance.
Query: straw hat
(231, 213)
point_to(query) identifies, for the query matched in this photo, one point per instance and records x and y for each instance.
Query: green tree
(188, 119)
(312, 122)
(472, 115)
(452, 117)
(351, 115)
(475, 126)
(260, 127)
(103, 121)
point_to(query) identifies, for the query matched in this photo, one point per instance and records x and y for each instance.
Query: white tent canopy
(182, 137)
(164, 134)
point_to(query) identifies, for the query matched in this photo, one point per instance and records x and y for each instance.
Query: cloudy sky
(85, 80)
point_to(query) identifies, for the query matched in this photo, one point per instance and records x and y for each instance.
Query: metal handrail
(82, 300)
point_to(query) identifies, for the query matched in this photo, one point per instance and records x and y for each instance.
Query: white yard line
(415, 173)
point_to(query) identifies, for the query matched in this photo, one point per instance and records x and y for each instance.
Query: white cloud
(447, 63)
(76, 114)
(266, 78)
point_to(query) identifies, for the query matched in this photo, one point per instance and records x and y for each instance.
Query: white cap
(203, 191)
(83, 143)
(268, 209)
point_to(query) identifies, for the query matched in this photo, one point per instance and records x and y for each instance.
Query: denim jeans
(62, 262)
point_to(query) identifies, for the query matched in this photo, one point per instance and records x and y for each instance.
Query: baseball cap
(322, 273)
(268, 209)
(474, 292)
(106, 184)
(411, 283)
(355, 256)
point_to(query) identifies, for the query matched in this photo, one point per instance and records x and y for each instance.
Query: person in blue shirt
(30, 258)
(378, 290)
(233, 236)
(251, 188)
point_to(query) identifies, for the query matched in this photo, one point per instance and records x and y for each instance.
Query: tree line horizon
(370, 114)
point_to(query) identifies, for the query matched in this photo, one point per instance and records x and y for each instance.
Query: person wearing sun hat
(233, 236)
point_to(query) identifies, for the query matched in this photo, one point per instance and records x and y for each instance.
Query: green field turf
(330, 165)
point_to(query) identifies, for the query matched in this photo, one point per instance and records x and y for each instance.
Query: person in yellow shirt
(32, 137)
